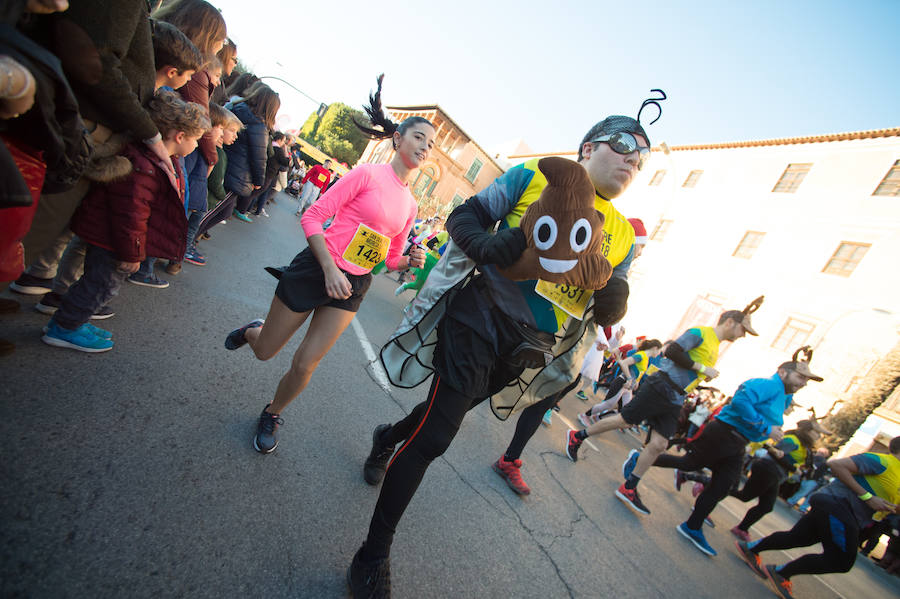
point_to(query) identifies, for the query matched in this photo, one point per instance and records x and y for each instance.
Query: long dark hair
(378, 118)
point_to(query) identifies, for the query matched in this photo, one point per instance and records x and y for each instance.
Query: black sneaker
(103, 313)
(51, 302)
(30, 285)
(369, 580)
(376, 463)
(572, 445)
(236, 339)
(265, 440)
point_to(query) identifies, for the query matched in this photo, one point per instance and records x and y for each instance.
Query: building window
(457, 200)
(692, 179)
(890, 185)
(793, 334)
(423, 181)
(661, 229)
(845, 258)
(792, 177)
(382, 152)
(703, 311)
(748, 244)
(473, 171)
(657, 177)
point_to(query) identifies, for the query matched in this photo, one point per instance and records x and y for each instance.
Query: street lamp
(291, 85)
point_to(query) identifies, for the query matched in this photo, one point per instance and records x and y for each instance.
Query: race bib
(367, 248)
(322, 177)
(568, 298)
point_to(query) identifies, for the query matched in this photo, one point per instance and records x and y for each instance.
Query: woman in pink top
(373, 212)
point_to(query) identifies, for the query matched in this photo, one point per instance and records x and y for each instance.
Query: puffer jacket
(247, 155)
(139, 215)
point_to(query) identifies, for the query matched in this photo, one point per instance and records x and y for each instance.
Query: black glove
(503, 248)
(467, 224)
(611, 302)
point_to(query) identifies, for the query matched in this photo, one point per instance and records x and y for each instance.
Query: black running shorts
(302, 286)
(655, 403)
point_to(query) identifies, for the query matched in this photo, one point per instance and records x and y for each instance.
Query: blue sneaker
(629, 464)
(236, 339)
(195, 257)
(147, 280)
(580, 395)
(696, 537)
(81, 339)
(547, 420)
(102, 333)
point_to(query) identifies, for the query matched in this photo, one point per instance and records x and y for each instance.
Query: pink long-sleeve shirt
(370, 194)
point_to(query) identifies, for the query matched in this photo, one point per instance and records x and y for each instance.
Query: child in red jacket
(127, 220)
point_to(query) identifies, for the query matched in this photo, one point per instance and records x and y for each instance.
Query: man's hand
(21, 84)
(45, 7)
(504, 247)
(416, 257)
(128, 267)
(880, 505)
(710, 373)
(776, 434)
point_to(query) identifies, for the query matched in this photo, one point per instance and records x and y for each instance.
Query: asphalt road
(131, 473)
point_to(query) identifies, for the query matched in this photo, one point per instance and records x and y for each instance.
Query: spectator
(247, 156)
(124, 221)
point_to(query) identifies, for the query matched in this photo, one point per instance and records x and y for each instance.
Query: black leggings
(220, 212)
(530, 420)
(720, 449)
(765, 478)
(828, 522)
(427, 431)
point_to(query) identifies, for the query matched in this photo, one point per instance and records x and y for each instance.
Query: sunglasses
(625, 143)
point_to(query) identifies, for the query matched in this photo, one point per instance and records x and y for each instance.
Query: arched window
(424, 182)
(382, 153)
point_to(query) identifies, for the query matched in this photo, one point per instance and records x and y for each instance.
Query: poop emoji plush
(563, 230)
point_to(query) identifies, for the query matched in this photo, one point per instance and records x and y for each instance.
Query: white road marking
(380, 375)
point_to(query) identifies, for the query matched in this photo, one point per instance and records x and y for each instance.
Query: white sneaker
(223, 222)
(264, 213)
(584, 420)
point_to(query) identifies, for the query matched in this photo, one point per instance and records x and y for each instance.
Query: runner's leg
(326, 326)
(443, 414)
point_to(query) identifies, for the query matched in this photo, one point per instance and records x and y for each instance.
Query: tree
(335, 134)
(877, 386)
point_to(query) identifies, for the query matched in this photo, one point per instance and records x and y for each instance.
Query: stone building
(812, 223)
(456, 169)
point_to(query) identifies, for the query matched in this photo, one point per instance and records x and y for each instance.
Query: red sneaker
(741, 534)
(511, 473)
(631, 498)
(781, 585)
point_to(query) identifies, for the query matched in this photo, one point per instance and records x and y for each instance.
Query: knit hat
(640, 232)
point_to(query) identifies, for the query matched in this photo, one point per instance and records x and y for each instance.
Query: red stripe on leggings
(437, 383)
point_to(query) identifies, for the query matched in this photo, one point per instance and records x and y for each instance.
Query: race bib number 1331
(568, 298)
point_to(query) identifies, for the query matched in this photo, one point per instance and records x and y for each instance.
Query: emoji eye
(544, 232)
(580, 236)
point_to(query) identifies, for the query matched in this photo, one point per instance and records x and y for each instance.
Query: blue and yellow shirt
(879, 474)
(702, 345)
(505, 200)
(639, 368)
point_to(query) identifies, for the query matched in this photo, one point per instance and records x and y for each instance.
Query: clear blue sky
(545, 72)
